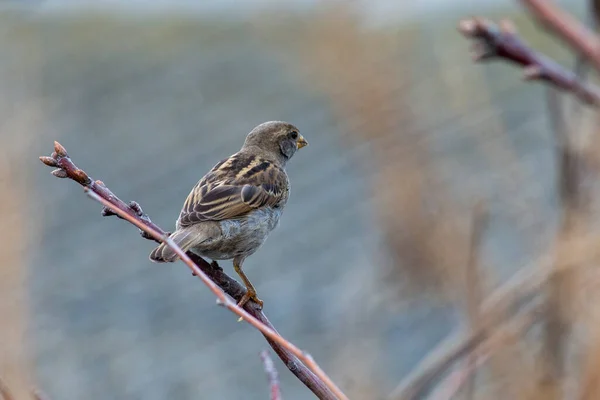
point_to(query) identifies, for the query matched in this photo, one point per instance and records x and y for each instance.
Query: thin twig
(502, 42)
(500, 337)
(567, 28)
(222, 298)
(473, 286)
(298, 362)
(581, 68)
(39, 395)
(557, 328)
(456, 379)
(509, 296)
(272, 375)
(442, 357)
(504, 301)
(5, 393)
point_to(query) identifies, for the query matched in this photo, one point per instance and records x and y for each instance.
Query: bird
(231, 211)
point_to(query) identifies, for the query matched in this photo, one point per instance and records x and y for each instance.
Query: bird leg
(250, 291)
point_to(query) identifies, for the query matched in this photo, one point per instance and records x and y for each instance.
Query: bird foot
(250, 295)
(215, 265)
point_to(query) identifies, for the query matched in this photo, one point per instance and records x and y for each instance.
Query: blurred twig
(435, 364)
(271, 375)
(512, 295)
(582, 65)
(502, 42)
(567, 28)
(523, 285)
(497, 340)
(474, 287)
(573, 196)
(297, 361)
(39, 395)
(5, 393)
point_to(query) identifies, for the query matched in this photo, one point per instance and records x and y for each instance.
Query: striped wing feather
(233, 188)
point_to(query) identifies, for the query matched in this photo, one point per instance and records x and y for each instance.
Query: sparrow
(230, 212)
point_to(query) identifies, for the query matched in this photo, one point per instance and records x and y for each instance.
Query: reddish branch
(5, 393)
(502, 42)
(569, 29)
(498, 339)
(271, 375)
(505, 301)
(298, 362)
(39, 395)
(473, 287)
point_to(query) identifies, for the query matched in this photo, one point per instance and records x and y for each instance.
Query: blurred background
(365, 269)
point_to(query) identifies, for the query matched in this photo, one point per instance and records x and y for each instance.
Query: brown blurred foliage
(426, 230)
(362, 73)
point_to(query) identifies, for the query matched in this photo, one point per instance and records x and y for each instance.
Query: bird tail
(163, 253)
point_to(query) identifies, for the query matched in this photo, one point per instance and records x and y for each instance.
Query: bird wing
(233, 188)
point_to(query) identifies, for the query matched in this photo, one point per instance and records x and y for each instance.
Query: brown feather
(233, 188)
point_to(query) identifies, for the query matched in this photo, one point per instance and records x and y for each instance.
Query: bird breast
(242, 237)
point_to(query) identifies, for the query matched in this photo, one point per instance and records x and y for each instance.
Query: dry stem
(564, 26)
(5, 393)
(473, 287)
(502, 42)
(506, 334)
(272, 375)
(495, 308)
(297, 361)
(39, 395)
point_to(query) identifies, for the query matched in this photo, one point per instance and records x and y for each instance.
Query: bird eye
(294, 135)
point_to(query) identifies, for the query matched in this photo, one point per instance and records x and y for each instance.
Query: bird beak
(301, 142)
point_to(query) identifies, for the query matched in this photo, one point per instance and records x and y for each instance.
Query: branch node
(507, 27)
(60, 150)
(501, 41)
(467, 27)
(49, 161)
(60, 173)
(136, 208)
(292, 365)
(106, 212)
(532, 72)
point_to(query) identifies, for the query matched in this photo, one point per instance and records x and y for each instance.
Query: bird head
(276, 138)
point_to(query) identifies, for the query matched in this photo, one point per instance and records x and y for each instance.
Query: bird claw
(250, 296)
(247, 297)
(215, 265)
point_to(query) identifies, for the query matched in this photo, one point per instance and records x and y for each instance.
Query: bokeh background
(364, 272)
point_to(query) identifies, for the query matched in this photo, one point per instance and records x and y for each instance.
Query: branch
(503, 302)
(39, 395)
(298, 362)
(502, 42)
(271, 375)
(567, 28)
(5, 393)
(501, 337)
(479, 223)
(507, 297)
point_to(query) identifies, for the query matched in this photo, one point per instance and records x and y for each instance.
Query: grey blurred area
(148, 103)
